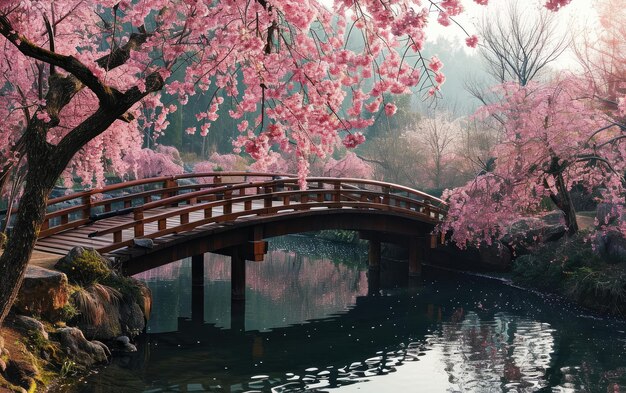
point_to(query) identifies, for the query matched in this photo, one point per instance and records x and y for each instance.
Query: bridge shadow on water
(317, 319)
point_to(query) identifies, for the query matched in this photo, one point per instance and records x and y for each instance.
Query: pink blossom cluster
(149, 163)
(472, 41)
(555, 5)
(286, 63)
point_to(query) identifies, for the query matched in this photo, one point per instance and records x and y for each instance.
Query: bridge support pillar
(416, 256)
(238, 275)
(197, 288)
(374, 254)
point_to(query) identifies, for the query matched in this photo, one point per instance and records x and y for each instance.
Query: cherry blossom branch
(68, 63)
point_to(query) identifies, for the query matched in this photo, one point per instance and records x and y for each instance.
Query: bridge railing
(77, 209)
(282, 196)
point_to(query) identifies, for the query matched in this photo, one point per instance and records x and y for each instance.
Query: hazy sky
(571, 19)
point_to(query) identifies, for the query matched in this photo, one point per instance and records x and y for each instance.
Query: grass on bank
(573, 269)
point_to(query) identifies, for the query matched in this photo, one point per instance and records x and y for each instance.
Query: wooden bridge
(146, 223)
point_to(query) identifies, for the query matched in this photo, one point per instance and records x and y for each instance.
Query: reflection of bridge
(146, 223)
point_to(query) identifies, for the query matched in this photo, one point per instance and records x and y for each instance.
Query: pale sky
(572, 19)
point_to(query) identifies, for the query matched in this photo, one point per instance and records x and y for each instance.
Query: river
(314, 321)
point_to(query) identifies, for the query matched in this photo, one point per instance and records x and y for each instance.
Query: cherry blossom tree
(164, 161)
(75, 73)
(555, 138)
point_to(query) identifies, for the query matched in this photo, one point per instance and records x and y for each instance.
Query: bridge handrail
(168, 185)
(170, 194)
(305, 204)
(281, 194)
(156, 180)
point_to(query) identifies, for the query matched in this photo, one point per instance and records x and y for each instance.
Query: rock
(606, 213)
(146, 299)
(106, 349)
(123, 340)
(123, 344)
(132, 318)
(556, 217)
(23, 374)
(143, 243)
(612, 246)
(43, 293)
(495, 256)
(81, 350)
(525, 233)
(30, 325)
(107, 327)
(84, 266)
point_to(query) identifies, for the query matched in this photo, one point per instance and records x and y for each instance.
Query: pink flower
(555, 5)
(621, 106)
(452, 7)
(190, 130)
(390, 109)
(353, 140)
(43, 116)
(472, 41)
(443, 19)
(481, 2)
(435, 64)
(440, 78)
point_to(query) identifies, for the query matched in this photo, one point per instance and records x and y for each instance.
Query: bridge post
(416, 255)
(197, 288)
(237, 275)
(374, 254)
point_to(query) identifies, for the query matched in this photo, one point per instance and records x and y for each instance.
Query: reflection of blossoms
(480, 355)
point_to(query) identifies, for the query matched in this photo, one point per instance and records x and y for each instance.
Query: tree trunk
(29, 217)
(566, 205)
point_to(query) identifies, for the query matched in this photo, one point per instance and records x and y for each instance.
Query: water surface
(313, 322)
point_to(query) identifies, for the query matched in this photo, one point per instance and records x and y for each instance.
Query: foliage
(3, 240)
(144, 163)
(572, 268)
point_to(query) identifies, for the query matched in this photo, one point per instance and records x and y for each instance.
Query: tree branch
(105, 94)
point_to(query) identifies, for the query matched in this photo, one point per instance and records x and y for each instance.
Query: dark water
(313, 323)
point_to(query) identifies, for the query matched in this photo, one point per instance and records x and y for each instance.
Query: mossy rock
(85, 266)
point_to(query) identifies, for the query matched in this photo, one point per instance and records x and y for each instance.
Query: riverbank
(68, 321)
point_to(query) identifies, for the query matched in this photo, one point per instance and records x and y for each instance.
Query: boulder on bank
(108, 304)
(30, 326)
(528, 232)
(43, 293)
(611, 246)
(84, 266)
(84, 352)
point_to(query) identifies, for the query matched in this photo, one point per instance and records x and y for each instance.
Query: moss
(86, 268)
(68, 312)
(3, 240)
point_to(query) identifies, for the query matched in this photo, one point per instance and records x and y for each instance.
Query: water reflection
(285, 289)
(313, 324)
